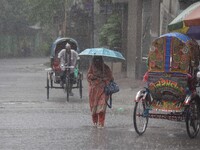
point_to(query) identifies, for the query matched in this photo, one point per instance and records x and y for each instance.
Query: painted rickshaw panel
(172, 60)
(171, 84)
(173, 52)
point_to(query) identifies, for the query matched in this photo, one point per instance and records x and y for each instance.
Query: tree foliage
(110, 34)
(14, 10)
(45, 11)
(16, 17)
(12, 13)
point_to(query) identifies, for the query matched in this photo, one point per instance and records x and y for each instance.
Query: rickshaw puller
(68, 57)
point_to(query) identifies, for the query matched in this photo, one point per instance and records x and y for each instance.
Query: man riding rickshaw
(65, 66)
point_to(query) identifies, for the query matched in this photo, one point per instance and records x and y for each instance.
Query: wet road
(29, 121)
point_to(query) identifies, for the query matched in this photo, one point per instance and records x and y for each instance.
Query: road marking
(13, 103)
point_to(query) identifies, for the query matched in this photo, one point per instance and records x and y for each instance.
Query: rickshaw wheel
(80, 88)
(140, 116)
(67, 86)
(51, 80)
(47, 85)
(193, 119)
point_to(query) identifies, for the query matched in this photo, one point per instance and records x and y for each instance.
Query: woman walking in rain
(99, 74)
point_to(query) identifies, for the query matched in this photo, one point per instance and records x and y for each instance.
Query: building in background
(141, 22)
(146, 21)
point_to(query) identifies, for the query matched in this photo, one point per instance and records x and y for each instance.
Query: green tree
(50, 12)
(13, 23)
(12, 13)
(44, 11)
(110, 34)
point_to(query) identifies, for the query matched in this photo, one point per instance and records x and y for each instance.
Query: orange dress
(97, 79)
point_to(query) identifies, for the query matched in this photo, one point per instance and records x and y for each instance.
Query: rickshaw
(172, 79)
(54, 73)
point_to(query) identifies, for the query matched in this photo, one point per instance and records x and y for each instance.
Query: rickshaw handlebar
(67, 67)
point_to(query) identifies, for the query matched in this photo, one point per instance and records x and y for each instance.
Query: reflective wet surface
(29, 121)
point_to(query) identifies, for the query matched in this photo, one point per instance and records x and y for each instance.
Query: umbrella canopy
(102, 52)
(188, 22)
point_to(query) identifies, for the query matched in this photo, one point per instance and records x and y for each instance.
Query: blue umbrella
(102, 52)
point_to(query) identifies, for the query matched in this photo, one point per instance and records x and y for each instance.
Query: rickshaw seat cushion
(168, 86)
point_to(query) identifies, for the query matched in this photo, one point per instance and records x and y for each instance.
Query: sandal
(100, 126)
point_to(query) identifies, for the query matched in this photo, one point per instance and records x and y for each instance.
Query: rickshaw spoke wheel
(80, 88)
(193, 119)
(47, 85)
(140, 117)
(67, 87)
(51, 82)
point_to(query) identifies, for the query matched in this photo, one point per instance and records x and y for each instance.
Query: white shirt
(74, 58)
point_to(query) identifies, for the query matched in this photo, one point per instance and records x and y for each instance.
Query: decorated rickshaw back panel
(168, 90)
(172, 54)
(168, 86)
(172, 60)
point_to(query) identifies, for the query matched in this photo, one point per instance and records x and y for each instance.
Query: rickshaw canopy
(173, 52)
(60, 43)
